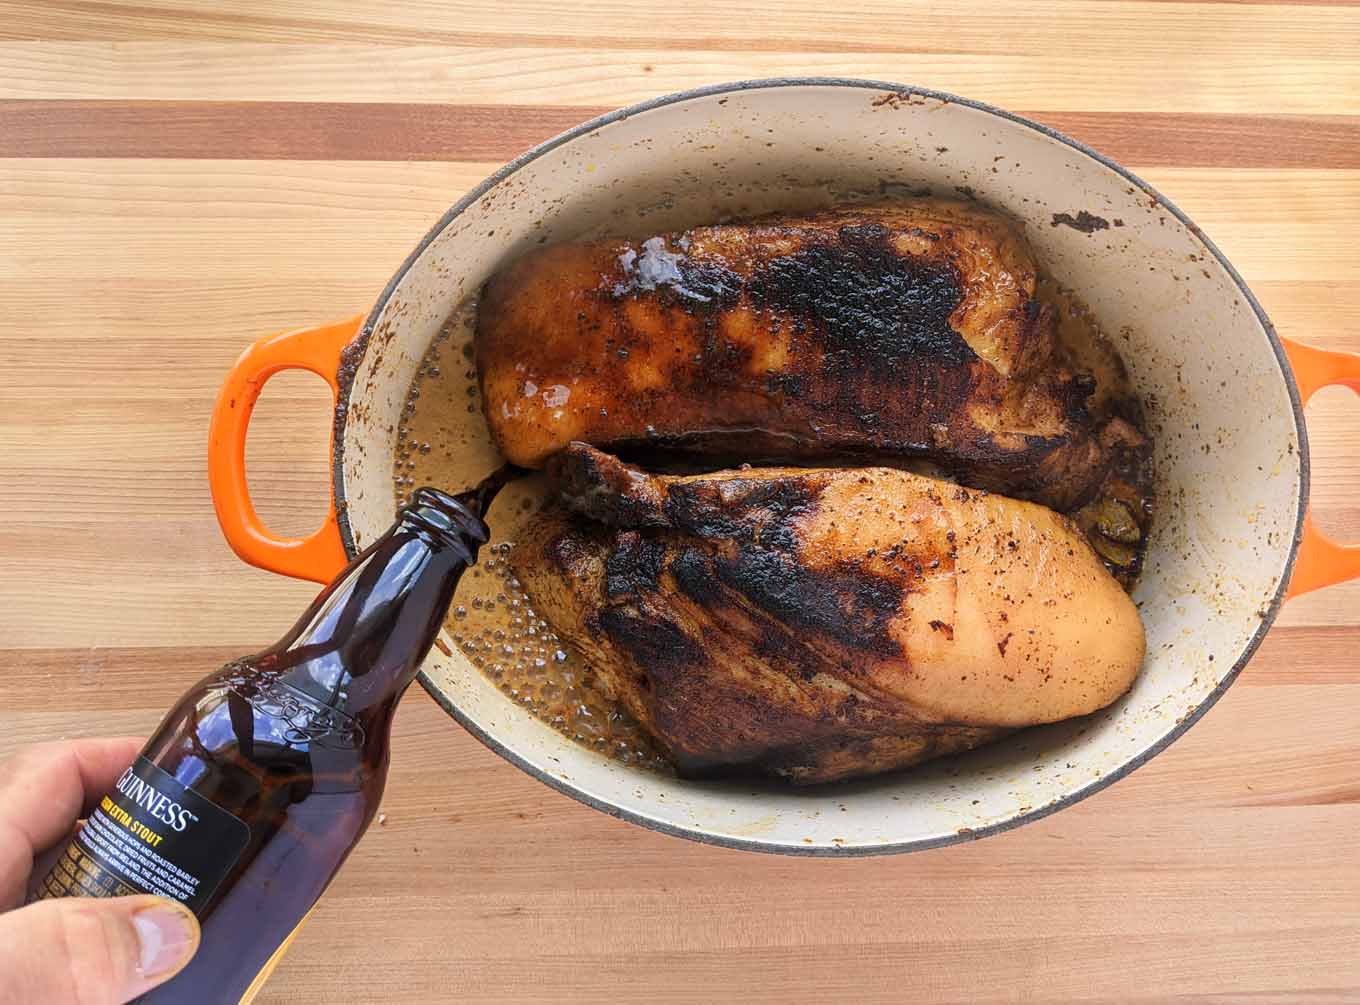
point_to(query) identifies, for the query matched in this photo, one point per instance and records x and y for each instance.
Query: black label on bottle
(150, 835)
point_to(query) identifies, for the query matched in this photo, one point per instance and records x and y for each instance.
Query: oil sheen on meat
(825, 623)
(902, 331)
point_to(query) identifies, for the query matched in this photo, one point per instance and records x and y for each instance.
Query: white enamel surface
(1228, 456)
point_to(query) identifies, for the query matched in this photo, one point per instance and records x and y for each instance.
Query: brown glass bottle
(258, 783)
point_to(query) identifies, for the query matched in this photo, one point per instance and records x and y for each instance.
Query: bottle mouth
(451, 519)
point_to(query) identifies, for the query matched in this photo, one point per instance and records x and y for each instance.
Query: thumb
(86, 951)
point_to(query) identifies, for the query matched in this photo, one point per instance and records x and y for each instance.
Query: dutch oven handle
(1321, 561)
(320, 555)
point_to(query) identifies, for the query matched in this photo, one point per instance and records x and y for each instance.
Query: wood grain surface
(178, 178)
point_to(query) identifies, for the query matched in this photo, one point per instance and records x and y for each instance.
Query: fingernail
(166, 936)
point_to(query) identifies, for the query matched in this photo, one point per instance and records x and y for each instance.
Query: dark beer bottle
(251, 793)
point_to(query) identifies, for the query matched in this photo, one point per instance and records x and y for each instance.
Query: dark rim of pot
(357, 349)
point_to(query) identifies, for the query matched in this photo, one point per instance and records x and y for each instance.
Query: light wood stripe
(1278, 225)
(1232, 80)
(1115, 29)
(329, 131)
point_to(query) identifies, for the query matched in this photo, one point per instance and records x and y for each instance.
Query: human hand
(76, 950)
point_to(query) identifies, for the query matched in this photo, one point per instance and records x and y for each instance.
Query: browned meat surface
(897, 331)
(825, 623)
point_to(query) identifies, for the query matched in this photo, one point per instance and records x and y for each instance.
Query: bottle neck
(361, 642)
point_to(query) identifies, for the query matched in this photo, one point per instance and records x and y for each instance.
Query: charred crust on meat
(851, 293)
(844, 603)
(741, 509)
(635, 564)
(568, 550)
(652, 639)
(790, 385)
(753, 527)
(864, 304)
(603, 487)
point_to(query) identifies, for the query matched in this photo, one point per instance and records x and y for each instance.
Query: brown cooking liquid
(443, 441)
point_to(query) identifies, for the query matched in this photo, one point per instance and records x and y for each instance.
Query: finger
(43, 789)
(82, 951)
(44, 861)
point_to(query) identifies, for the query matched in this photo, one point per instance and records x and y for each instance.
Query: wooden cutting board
(178, 178)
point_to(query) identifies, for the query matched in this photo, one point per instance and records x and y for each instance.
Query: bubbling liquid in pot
(442, 441)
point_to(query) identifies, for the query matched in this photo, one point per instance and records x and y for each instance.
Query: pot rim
(360, 347)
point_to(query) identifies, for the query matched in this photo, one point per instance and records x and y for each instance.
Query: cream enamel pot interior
(1231, 487)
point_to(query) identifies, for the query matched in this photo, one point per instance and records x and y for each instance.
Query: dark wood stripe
(1157, 139)
(278, 130)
